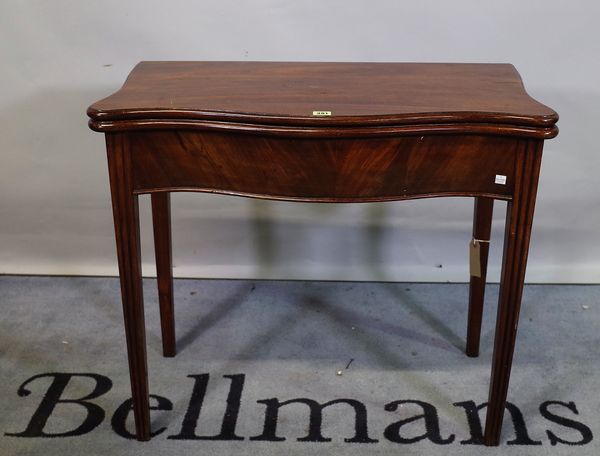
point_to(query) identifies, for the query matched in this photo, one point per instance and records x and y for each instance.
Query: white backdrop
(57, 57)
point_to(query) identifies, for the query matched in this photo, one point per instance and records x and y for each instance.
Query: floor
(276, 367)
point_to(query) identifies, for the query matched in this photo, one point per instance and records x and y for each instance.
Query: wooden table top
(350, 94)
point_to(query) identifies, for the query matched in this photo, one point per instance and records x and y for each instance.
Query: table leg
(482, 227)
(161, 219)
(125, 213)
(516, 245)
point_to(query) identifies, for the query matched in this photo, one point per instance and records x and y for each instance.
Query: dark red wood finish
(517, 232)
(161, 221)
(352, 170)
(286, 94)
(482, 230)
(127, 233)
(396, 131)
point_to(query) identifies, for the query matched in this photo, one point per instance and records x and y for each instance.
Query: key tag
(475, 258)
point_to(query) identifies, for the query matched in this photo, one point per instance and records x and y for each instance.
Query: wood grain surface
(327, 170)
(248, 95)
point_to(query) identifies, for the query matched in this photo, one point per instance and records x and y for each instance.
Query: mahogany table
(324, 132)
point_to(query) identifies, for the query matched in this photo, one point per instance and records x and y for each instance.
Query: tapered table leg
(125, 212)
(482, 227)
(516, 245)
(161, 218)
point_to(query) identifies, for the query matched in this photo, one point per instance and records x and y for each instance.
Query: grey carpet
(288, 340)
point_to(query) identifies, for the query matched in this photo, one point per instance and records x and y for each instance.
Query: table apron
(328, 170)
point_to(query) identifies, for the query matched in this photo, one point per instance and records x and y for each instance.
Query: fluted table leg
(126, 219)
(516, 245)
(161, 220)
(482, 227)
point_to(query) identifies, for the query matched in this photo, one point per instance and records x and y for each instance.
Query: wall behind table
(58, 57)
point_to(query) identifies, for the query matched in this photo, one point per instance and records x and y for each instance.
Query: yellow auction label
(321, 113)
